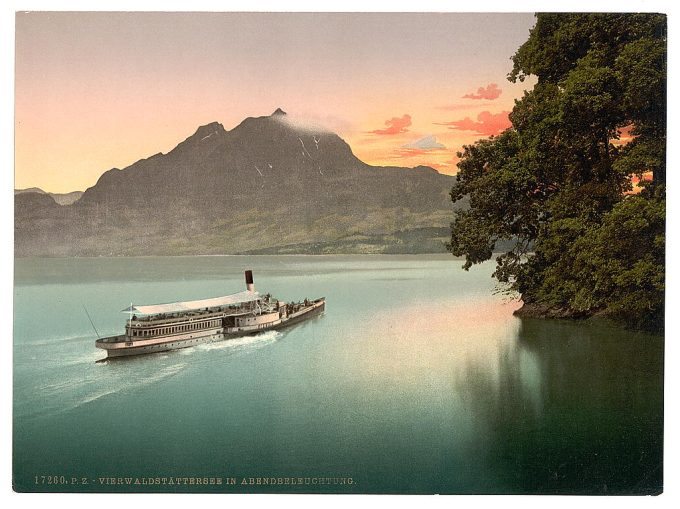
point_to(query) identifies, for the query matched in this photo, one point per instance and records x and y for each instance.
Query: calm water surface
(417, 379)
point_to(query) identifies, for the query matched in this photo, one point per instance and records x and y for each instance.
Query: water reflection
(570, 408)
(415, 380)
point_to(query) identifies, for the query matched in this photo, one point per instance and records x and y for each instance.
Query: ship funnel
(250, 286)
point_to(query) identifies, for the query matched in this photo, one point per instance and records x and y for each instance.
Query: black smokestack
(250, 286)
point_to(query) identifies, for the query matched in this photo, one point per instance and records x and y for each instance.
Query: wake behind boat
(162, 327)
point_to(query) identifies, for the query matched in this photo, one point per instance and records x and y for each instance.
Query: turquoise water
(417, 379)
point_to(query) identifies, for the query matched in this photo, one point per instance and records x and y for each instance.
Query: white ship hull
(124, 346)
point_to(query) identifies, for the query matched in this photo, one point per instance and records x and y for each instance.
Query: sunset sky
(101, 90)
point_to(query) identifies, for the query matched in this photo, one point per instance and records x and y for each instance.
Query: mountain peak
(208, 129)
(298, 186)
(214, 125)
(204, 132)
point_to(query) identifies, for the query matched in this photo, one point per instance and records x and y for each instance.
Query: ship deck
(191, 315)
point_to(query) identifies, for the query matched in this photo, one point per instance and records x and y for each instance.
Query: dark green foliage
(558, 183)
(623, 261)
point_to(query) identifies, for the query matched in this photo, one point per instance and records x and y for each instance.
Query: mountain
(60, 198)
(266, 186)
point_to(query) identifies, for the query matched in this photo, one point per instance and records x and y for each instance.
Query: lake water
(417, 379)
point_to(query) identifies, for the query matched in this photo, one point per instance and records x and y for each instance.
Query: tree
(558, 182)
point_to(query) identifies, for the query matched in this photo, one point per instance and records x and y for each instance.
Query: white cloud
(427, 143)
(315, 124)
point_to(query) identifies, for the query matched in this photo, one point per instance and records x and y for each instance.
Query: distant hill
(60, 198)
(266, 186)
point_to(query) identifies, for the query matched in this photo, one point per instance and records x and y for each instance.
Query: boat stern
(110, 343)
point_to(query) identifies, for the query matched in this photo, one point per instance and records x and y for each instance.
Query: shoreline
(537, 310)
(443, 255)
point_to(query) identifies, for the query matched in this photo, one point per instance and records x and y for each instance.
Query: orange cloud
(490, 92)
(438, 158)
(625, 135)
(395, 125)
(640, 183)
(408, 152)
(447, 165)
(487, 124)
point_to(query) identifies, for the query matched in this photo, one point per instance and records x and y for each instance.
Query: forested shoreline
(578, 181)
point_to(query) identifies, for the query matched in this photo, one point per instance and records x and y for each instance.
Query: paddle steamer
(162, 327)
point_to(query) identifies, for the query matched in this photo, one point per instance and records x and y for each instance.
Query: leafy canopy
(559, 182)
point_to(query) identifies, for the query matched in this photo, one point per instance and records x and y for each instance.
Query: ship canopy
(191, 305)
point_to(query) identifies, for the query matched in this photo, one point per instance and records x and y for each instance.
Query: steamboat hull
(120, 346)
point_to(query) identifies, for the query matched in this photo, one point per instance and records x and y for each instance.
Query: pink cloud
(401, 153)
(447, 167)
(420, 157)
(395, 125)
(487, 124)
(490, 92)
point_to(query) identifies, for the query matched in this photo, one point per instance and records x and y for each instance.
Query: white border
(671, 487)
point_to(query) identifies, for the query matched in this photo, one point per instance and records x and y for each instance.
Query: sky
(98, 90)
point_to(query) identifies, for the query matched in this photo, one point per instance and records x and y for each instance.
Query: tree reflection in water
(570, 408)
